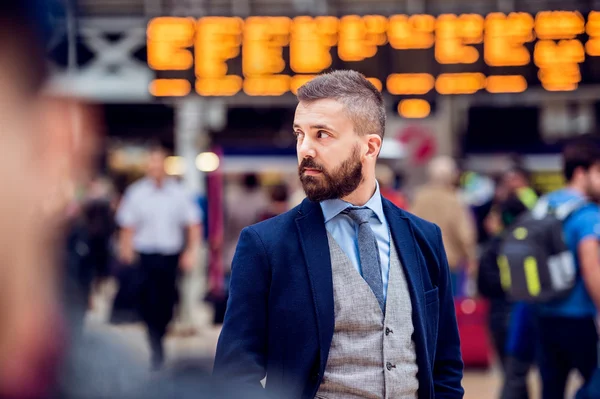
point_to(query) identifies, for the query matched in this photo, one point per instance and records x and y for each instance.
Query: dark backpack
(488, 275)
(535, 263)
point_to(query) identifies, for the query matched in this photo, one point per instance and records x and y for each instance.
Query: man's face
(593, 182)
(330, 161)
(156, 165)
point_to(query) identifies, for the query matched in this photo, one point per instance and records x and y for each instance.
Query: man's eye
(322, 134)
(298, 134)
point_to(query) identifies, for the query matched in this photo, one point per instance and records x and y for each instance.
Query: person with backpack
(551, 260)
(504, 316)
(488, 277)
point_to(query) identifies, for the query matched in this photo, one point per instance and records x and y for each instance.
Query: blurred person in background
(520, 346)
(439, 202)
(297, 194)
(567, 328)
(244, 202)
(486, 214)
(386, 178)
(515, 368)
(98, 217)
(490, 216)
(517, 180)
(344, 295)
(279, 202)
(160, 231)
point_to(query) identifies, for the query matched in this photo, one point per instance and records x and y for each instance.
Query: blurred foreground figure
(439, 202)
(161, 232)
(42, 157)
(346, 295)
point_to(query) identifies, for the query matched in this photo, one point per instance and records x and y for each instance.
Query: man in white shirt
(161, 224)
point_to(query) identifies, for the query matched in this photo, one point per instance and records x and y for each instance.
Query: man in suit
(346, 295)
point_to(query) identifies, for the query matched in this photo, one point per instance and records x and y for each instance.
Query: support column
(190, 140)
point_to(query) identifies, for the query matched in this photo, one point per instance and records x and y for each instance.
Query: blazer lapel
(313, 240)
(404, 239)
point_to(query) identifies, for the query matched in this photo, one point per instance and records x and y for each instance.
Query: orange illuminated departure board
(410, 56)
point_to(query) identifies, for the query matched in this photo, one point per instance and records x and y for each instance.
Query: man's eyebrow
(316, 126)
(322, 126)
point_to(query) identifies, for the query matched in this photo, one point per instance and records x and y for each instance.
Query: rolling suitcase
(471, 315)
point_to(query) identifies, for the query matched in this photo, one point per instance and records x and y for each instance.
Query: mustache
(309, 163)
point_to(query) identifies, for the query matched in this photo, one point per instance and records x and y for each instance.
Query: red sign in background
(420, 142)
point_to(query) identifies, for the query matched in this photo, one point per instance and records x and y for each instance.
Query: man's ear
(374, 142)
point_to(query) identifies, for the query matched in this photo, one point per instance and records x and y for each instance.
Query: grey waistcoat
(371, 356)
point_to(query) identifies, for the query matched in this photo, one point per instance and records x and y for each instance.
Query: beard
(335, 184)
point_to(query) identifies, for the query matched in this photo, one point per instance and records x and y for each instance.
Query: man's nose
(306, 148)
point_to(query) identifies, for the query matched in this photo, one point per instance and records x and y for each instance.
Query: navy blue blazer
(280, 314)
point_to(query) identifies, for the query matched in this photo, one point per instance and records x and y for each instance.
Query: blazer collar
(313, 240)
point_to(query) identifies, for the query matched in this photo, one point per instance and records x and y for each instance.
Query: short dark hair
(155, 146)
(23, 31)
(511, 208)
(250, 181)
(279, 193)
(582, 152)
(363, 102)
(518, 170)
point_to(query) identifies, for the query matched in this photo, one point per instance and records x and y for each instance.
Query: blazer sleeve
(448, 365)
(242, 348)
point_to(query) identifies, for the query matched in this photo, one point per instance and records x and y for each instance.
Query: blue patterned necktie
(368, 252)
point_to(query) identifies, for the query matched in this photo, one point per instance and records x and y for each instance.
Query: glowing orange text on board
(558, 53)
(410, 83)
(414, 108)
(218, 39)
(168, 42)
(460, 83)
(311, 40)
(208, 44)
(505, 37)
(360, 36)
(506, 84)
(592, 46)
(414, 32)
(453, 36)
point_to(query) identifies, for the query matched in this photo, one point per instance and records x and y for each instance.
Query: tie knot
(359, 215)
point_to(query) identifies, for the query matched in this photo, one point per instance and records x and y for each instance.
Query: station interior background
(477, 86)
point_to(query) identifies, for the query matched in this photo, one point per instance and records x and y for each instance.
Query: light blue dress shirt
(345, 232)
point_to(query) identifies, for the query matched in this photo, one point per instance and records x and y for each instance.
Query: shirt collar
(332, 208)
(166, 183)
